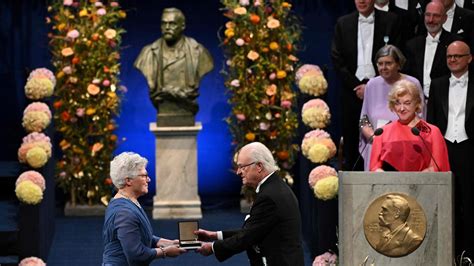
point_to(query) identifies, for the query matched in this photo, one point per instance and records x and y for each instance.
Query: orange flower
(75, 60)
(113, 137)
(57, 104)
(283, 155)
(271, 90)
(61, 26)
(293, 58)
(250, 136)
(111, 127)
(281, 74)
(110, 34)
(252, 55)
(255, 19)
(83, 13)
(108, 181)
(230, 25)
(286, 5)
(273, 23)
(90, 111)
(65, 116)
(229, 33)
(67, 51)
(274, 46)
(96, 147)
(240, 11)
(95, 36)
(64, 144)
(93, 89)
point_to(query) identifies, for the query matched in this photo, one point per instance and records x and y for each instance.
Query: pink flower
(239, 42)
(265, 101)
(315, 103)
(264, 126)
(320, 172)
(256, 3)
(235, 83)
(101, 12)
(244, 2)
(80, 112)
(68, 2)
(114, 4)
(272, 76)
(98, 4)
(67, 70)
(38, 107)
(96, 81)
(32, 176)
(324, 259)
(285, 104)
(240, 117)
(73, 34)
(106, 82)
(317, 133)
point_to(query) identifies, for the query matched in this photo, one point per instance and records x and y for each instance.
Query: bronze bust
(173, 66)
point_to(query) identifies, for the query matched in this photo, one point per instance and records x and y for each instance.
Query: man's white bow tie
(461, 82)
(368, 20)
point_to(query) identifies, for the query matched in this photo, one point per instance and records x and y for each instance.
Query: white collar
(461, 78)
(450, 11)
(263, 180)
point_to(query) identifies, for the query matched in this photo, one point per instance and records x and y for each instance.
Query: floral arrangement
(318, 146)
(29, 193)
(259, 42)
(39, 88)
(35, 150)
(310, 80)
(319, 173)
(34, 177)
(326, 259)
(315, 114)
(32, 261)
(36, 117)
(326, 188)
(85, 44)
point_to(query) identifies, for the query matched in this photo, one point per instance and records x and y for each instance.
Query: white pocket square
(460, 31)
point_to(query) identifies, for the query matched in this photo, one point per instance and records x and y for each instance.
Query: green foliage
(84, 43)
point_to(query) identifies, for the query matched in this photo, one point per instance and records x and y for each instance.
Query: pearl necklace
(127, 197)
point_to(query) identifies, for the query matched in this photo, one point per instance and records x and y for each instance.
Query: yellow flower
(281, 74)
(273, 23)
(274, 46)
(93, 89)
(83, 13)
(250, 136)
(122, 14)
(90, 111)
(229, 33)
(60, 74)
(36, 157)
(28, 192)
(318, 153)
(326, 188)
(67, 51)
(240, 11)
(252, 55)
(61, 26)
(286, 5)
(110, 34)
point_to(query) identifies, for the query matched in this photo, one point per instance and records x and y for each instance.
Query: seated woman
(128, 236)
(402, 148)
(375, 112)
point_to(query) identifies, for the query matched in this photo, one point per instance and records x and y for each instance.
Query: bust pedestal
(176, 172)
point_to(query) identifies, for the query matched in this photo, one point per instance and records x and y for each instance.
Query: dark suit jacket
(415, 53)
(409, 19)
(273, 228)
(438, 104)
(468, 4)
(344, 44)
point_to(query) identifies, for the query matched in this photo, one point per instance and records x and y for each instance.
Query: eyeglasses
(456, 56)
(385, 63)
(242, 167)
(143, 175)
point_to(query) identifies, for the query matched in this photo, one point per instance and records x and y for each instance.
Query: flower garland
(259, 45)
(85, 43)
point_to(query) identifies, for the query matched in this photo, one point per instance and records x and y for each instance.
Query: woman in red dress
(410, 143)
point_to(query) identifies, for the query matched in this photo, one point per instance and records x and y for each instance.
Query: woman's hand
(367, 132)
(429, 169)
(379, 170)
(167, 242)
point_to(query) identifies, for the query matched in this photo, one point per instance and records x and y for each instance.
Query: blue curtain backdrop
(23, 47)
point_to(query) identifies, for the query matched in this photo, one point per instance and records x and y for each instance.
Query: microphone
(377, 132)
(416, 132)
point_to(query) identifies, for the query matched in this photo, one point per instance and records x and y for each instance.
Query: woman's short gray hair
(394, 52)
(126, 164)
(260, 153)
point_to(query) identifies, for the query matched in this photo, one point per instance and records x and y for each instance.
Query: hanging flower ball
(319, 173)
(32, 261)
(313, 83)
(36, 117)
(34, 177)
(315, 114)
(33, 140)
(39, 88)
(43, 73)
(318, 146)
(29, 193)
(36, 157)
(326, 188)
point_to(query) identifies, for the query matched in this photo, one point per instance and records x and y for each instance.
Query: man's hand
(204, 235)
(205, 249)
(359, 90)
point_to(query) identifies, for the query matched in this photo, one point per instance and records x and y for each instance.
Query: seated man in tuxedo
(451, 109)
(271, 233)
(399, 239)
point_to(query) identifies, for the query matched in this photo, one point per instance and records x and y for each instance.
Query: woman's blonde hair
(402, 88)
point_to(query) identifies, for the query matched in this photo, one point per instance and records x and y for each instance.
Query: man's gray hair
(126, 164)
(179, 13)
(260, 153)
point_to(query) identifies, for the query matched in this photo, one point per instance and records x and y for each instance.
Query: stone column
(176, 172)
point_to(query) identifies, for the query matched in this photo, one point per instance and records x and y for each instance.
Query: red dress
(400, 149)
